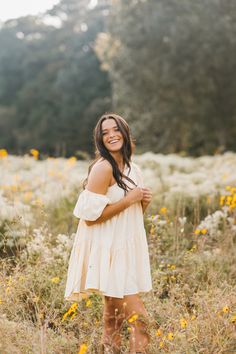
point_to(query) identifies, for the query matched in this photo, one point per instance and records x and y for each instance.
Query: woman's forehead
(109, 123)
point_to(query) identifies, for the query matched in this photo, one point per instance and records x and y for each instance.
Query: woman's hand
(135, 195)
(147, 196)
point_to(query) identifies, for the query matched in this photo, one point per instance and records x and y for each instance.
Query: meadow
(191, 233)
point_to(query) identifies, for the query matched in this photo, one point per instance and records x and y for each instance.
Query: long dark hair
(101, 151)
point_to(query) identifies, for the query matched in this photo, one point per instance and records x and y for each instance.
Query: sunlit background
(169, 68)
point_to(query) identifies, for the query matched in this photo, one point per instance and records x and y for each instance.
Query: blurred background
(168, 67)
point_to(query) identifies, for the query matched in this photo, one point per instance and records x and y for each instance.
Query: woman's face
(111, 135)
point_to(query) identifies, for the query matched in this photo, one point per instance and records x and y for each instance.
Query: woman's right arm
(98, 182)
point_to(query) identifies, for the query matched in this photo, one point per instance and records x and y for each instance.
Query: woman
(110, 252)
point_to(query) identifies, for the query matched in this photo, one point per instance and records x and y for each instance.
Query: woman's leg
(139, 338)
(113, 317)
(115, 311)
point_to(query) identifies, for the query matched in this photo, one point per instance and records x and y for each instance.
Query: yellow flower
(161, 344)
(35, 153)
(3, 153)
(133, 318)
(159, 333)
(197, 232)
(222, 199)
(74, 306)
(225, 309)
(83, 349)
(129, 329)
(233, 318)
(72, 160)
(172, 267)
(55, 280)
(193, 318)
(183, 323)
(88, 303)
(163, 210)
(228, 188)
(170, 336)
(204, 231)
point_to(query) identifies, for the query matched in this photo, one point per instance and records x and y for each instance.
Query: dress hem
(80, 295)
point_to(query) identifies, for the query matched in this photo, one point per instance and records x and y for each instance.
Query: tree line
(167, 66)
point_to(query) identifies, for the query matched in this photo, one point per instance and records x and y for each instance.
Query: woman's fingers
(147, 195)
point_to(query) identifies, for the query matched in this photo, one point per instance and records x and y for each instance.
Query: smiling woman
(110, 251)
(13, 9)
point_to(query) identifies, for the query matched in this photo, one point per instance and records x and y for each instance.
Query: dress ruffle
(90, 205)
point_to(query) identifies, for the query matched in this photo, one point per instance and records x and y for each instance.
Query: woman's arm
(98, 182)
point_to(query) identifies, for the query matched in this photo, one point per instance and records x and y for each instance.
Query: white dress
(110, 258)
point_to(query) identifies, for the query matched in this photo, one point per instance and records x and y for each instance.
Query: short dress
(110, 258)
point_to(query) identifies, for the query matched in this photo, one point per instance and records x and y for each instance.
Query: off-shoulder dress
(110, 258)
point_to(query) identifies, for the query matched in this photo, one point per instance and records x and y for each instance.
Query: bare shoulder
(100, 176)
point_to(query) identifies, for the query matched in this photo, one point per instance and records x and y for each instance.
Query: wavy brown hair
(101, 151)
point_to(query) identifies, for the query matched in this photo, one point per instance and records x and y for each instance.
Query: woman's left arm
(147, 196)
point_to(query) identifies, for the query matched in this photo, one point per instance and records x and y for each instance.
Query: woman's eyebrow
(115, 126)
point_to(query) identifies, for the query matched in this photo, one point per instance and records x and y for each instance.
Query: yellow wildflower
(159, 333)
(193, 318)
(55, 280)
(225, 309)
(228, 188)
(88, 303)
(35, 153)
(222, 199)
(172, 267)
(3, 153)
(72, 160)
(170, 336)
(74, 306)
(161, 344)
(83, 349)
(163, 210)
(133, 318)
(183, 323)
(204, 231)
(197, 232)
(229, 200)
(233, 318)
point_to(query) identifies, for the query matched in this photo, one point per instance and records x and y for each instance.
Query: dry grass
(192, 307)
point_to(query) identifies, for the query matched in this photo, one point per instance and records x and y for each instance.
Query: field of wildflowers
(191, 232)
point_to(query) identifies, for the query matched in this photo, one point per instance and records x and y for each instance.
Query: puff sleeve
(90, 205)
